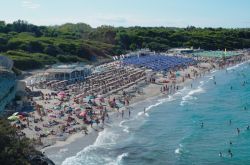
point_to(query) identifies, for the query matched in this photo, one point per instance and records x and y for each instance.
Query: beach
(58, 146)
(172, 126)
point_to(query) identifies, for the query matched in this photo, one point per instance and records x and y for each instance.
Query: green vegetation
(32, 46)
(14, 149)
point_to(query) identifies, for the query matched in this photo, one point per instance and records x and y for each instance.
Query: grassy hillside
(32, 46)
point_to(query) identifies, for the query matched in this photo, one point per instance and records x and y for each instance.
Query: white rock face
(5, 62)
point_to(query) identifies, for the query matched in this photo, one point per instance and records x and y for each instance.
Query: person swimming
(245, 108)
(220, 154)
(231, 88)
(230, 122)
(248, 127)
(214, 82)
(230, 143)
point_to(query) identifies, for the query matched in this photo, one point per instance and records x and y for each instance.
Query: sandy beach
(62, 144)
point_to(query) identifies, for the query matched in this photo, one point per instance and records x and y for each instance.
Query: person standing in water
(129, 112)
(230, 122)
(202, 124)
(220, 154)
(144, 110)
(238, 130)
(230, 153)
(248, 127)
(122, 113)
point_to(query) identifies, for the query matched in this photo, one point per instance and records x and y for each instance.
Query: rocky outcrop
(7, 82)
(40, 159)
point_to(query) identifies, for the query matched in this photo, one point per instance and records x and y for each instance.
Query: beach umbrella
(25, 114)
(99, 96)
(83, 114)
(177, 74)
(14, 114)
(61, 94)
(13, 118)
(166, 81)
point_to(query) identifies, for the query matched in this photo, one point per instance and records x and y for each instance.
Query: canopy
(14, 114)
(61, 94)
(83, 114)
(13, 118)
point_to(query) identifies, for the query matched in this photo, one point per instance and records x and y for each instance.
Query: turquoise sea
(171, 133)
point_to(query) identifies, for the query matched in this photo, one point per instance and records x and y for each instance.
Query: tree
(13, 149)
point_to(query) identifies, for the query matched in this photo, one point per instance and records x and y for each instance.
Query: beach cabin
(71, 72)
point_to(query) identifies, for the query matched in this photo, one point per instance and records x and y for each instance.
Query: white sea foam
(190, 94)
(159, 102)
(105, 139)
(179, 149)
(120, 157)
(235, 66)
(125, 128)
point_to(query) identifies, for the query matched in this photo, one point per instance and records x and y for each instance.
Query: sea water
(171, 131)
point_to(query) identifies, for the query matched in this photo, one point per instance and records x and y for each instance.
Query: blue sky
(178, 13)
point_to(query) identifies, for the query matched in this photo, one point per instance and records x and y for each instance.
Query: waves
(237, 66)
(90, 155)
(169, 126)
(125, 128)
(120, 158)
(158, 102)
(189, 96)
(179, 149)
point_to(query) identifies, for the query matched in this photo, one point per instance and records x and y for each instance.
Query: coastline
(77, 142)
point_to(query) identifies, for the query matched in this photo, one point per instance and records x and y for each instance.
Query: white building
(68, 72)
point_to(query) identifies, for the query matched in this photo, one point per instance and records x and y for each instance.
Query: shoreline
(87, 140)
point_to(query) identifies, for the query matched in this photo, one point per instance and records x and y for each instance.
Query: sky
(168, 13)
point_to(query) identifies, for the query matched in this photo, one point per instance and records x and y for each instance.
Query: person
(214, 82)
(144, 110)
(245, 108)
(220, 154)
(230, 153)
(230, 122)
(122, 113)
(248, 127)
(230, 143)
(238, 130)
(191, 85)
(231, 88)
(202, 124)
(129, 112)
(91, 123)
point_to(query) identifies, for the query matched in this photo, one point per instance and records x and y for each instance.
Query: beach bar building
(72, 72)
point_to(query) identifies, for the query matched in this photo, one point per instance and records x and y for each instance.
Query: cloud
(30, 4)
